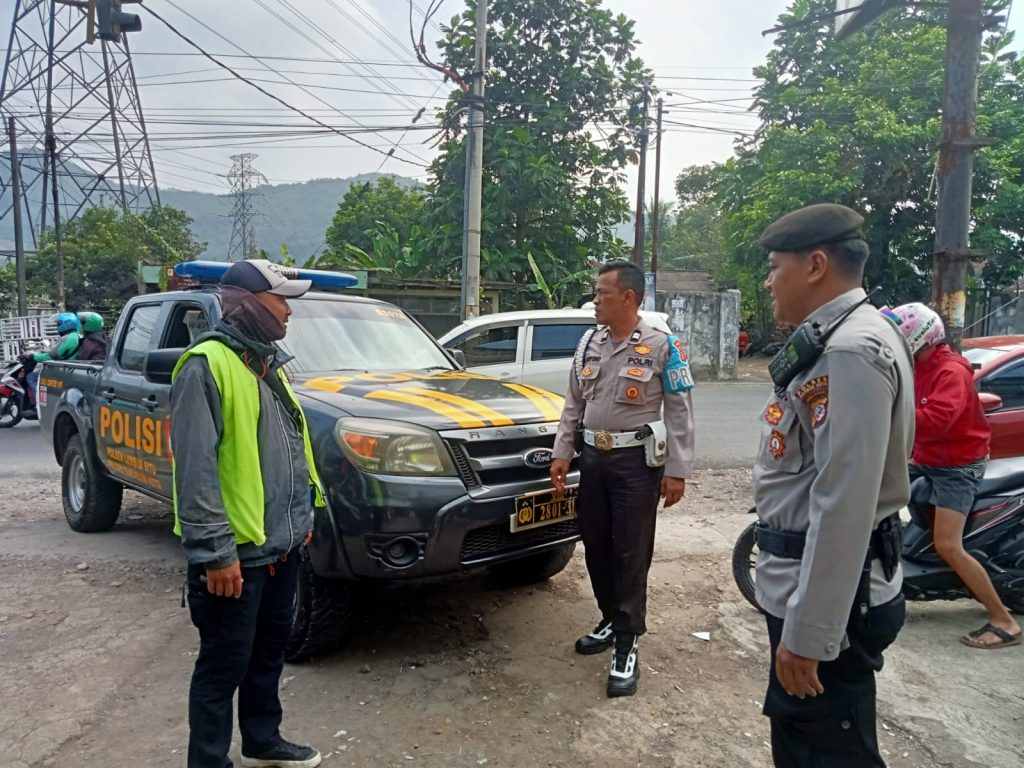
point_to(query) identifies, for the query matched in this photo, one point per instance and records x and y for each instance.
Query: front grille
(497, 539)
(462, 465)
(498, 462)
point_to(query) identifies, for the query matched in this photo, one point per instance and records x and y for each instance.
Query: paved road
(725, 412)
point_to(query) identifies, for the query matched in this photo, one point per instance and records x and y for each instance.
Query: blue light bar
(212, 271)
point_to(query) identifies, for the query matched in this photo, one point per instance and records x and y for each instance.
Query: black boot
(600, 639)
(625, 671)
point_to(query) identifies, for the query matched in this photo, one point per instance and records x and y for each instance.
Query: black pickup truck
(428, 469)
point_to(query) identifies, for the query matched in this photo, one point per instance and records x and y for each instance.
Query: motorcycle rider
(94, 341)
(66, 348)
(951, 446)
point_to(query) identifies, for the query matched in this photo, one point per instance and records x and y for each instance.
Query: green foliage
(552, 179)
(365, 207)
(102, 253)
(858, 122)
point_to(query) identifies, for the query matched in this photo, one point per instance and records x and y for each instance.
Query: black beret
(814, 225)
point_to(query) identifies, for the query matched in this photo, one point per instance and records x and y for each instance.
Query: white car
(533, 347)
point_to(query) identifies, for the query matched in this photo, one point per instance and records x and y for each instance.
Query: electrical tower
(243, 178)
(76, 108)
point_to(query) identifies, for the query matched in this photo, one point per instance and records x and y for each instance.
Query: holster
(655, 443)
(577, 439)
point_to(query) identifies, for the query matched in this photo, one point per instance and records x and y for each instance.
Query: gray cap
(814, 225)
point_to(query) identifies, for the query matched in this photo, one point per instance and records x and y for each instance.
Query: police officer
(623, 373)
(829, 480)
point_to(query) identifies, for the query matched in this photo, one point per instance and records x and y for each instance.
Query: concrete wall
(708, 323)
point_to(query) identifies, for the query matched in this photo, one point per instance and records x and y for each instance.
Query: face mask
(247, 315)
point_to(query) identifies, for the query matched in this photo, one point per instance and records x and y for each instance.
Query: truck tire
(10, 412)
(325, 614)
(743, 560)
(92, 501)
(534, 568)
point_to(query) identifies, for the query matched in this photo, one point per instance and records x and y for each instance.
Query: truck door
(119, 416)
(183, 322)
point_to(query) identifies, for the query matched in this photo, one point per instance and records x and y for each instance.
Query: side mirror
(458, 355)
(160, 364)
(990, 401)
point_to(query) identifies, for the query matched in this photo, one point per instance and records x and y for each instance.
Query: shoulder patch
(814, 394)
(676, 377)
(773, 413)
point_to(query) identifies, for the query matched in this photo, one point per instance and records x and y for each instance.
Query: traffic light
(111, 21)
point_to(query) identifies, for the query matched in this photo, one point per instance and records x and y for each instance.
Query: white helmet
(920, 324)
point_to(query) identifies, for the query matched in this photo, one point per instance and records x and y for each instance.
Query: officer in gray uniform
(624, 375)
(829, 481)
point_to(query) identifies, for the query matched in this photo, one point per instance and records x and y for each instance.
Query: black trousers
(241, 647)
(617, 508)
(835, 729)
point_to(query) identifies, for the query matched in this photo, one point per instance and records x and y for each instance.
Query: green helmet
(91, 322)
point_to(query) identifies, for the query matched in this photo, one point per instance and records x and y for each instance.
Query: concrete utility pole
(474, 174)
(19, 235)
(655, 224)
(956, 164)
(51, 149)
(639, 232)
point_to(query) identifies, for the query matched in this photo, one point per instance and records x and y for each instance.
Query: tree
(365, 206)
(562, 87)
(102, 253)
(858, 122)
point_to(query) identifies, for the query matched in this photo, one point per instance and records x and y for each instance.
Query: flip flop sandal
(1005, 638)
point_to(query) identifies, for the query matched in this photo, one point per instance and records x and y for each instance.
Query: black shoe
(283, 754)
(625, 671)
(601, 638)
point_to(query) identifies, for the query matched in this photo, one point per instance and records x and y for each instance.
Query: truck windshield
(352, 336)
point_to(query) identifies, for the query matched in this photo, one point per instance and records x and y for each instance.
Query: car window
(187, 323)
(551, 342)
(1008, 383)
(489, 346)
(138, 332)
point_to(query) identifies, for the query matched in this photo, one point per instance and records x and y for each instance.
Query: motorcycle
(993, 534)
(15, 401)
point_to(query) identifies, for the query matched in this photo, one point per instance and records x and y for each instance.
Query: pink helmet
(920, 324)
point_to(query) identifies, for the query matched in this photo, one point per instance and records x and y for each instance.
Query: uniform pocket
(588, 380)
(780, 438)
(633, 385)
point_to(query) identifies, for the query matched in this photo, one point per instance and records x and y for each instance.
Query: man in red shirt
(951, 450)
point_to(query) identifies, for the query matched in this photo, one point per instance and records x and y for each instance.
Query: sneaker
(601, 638)
(283, 754)
(625, 671)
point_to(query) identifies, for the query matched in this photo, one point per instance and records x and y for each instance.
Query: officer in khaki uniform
(829, 481)
(624, 376)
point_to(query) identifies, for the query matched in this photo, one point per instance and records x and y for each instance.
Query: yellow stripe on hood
(497, 418)
(550, 405)
(442, 409)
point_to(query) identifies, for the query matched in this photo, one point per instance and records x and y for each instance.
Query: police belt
(883, 545)
(607, 441)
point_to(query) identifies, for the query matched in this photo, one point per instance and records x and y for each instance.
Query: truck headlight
(393, 447)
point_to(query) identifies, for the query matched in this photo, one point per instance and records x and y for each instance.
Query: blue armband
(675, 377)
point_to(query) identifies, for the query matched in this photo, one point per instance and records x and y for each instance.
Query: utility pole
(19, 235)
(474, 174)
(243, 178)
(51, 149)
(657, 199)
(639, 232)
(964, 27)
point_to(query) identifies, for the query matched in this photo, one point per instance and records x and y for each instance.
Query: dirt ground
(96, 653)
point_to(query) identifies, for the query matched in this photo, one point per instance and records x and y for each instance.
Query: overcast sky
(700, 51)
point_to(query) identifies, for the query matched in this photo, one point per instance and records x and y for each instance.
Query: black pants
(617, 509)
(835, 729)
(241, 647)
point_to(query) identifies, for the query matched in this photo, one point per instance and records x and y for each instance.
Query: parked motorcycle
(15, 402)
(994, 535)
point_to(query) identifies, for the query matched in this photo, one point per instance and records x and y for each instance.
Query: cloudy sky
(348, 64)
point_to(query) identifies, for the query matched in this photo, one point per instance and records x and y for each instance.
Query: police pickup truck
(428, 469)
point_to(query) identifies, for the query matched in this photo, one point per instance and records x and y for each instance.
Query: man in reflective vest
(244, 489)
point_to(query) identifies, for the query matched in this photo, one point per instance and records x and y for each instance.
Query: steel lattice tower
(243, 178)
(79, 99)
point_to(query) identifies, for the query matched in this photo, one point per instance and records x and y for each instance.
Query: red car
(999, 375)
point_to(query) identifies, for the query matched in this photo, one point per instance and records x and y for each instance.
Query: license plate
(536, 510)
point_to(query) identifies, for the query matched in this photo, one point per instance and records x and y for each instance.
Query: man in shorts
(951, 450)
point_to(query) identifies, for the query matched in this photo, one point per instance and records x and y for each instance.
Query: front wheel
(92, 501)
(325, 613)
(534, 568)
(744, 559)
(10, 412)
